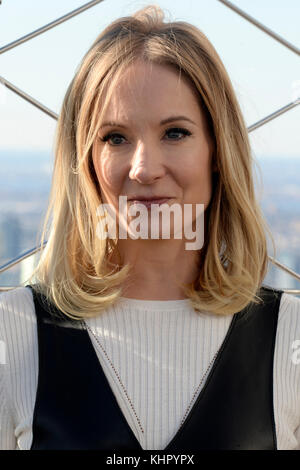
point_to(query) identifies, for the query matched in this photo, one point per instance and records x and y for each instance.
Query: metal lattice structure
(53, 115)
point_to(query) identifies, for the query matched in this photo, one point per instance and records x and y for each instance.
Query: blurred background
(264, 73)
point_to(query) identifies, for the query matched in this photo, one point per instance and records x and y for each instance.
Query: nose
(147, 164)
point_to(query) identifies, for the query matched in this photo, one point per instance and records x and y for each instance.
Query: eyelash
(180, 130)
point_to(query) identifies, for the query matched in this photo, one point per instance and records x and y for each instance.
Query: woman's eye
(110, 136)
(178, 130)
(170, 132)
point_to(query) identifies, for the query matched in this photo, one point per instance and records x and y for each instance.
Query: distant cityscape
(24, 191)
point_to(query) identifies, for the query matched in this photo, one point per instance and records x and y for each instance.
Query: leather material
(75, 407)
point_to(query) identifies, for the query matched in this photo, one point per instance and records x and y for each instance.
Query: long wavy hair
(74, 270)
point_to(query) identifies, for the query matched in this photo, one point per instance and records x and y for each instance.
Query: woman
(143, 342)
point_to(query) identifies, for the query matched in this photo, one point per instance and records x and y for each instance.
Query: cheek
(196, 178)
(109, 173)
(195, 168)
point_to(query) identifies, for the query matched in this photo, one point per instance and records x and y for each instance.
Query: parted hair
(74, 270)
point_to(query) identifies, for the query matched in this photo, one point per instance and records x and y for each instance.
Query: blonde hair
(74, 271)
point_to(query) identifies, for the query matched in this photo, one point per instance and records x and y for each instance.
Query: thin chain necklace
(197, 389)
(86, 327)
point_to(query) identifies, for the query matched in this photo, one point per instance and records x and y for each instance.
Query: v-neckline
(194, 406)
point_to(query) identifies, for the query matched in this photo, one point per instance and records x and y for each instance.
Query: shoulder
(18, 332)
(16, 309)
(288, 326)
(289, 305)
(289, 309)
(17, 298)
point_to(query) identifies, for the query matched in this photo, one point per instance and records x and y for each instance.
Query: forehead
(149, 88)
(142, 76)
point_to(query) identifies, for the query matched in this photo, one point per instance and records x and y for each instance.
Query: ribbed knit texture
(161, 352)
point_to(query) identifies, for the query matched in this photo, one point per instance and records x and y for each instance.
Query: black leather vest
(75, 407)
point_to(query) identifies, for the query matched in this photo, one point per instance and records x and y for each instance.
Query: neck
(159, 268)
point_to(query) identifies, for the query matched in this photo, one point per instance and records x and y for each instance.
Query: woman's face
(139, 154)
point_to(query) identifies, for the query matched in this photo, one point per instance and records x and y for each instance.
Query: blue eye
(107, 137)
(173, 130)
(178, 130)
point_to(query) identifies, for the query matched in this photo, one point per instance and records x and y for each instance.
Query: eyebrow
(164, 121)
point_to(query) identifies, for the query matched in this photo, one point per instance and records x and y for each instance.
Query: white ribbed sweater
(162, 352)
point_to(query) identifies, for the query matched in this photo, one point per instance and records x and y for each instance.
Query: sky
(264, 73)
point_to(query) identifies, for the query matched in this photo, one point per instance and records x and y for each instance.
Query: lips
(149, 201)
(148, 198)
